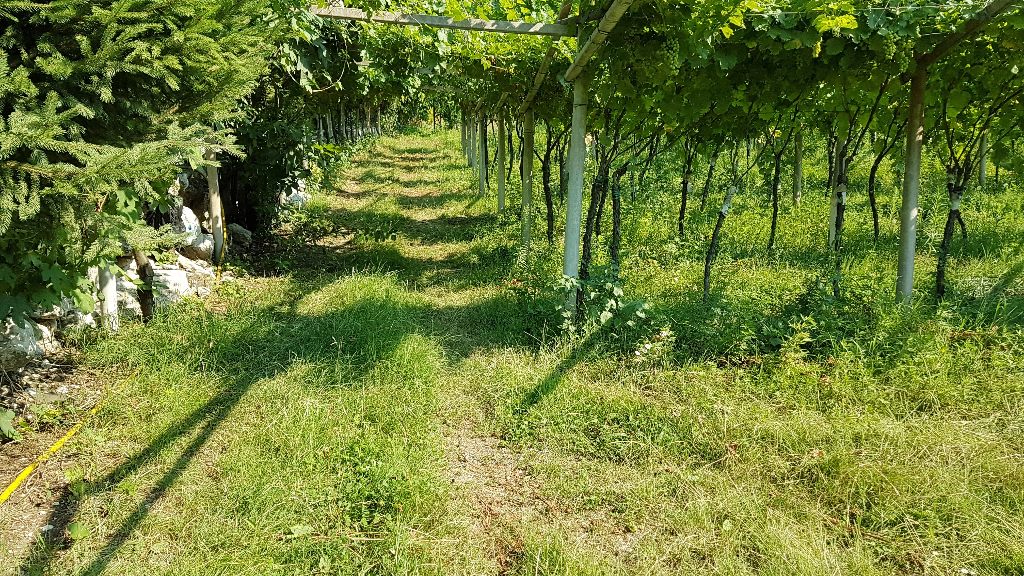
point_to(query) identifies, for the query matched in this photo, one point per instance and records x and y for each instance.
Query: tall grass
(302, 422)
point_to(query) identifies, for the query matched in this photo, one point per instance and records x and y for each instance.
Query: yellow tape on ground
(6, 494)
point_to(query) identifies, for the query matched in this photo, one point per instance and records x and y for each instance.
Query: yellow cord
(6, 494)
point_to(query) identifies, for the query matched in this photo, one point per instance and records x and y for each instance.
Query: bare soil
(48, 397)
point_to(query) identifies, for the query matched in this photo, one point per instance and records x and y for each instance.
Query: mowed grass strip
(312, 424)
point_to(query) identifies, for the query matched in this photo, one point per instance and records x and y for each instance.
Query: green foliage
(8, 430)
(102, 102)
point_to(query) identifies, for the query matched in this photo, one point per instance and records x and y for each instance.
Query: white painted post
(911, 187)
(216, 211)
(500, 162)
(527, 178)
(482, 156)
(574, 195)
(108, 298)
(798, 167)
(472, 141)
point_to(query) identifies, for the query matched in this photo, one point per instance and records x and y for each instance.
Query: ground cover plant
(391, 406)
(726, 288)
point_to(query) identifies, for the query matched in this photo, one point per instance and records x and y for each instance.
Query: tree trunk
(600, 209)
(216, 211)
(465, 140)
(955, 195)
(474, 128)
(511, 151)
(837, 245)
(832, 141)
(684, 198)
(545, 168)
(563, 172)
(342, 134)
(500, 163)
(872, 178)
(597, 188)
(146, 278)
(716, 235)
(616, 242)
(838, 194)
(983, 160)
(482, 160)
(911, 187)
(652, 151)
(776, 182)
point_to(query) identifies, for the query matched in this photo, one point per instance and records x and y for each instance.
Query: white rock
(170, 284)
(297, 199)
(200, 276)
(240, 235)
(196, 244)
(194, 267)
(128, 298)
(200, 249)
(75, 318)
(55, 312)
(186, 222)
(21, 344)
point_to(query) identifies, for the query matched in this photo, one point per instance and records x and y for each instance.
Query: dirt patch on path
(501, 492)
(52, 396)
(508, 503)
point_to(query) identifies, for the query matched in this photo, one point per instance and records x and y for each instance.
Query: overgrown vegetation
(785, 336)
(309, 425)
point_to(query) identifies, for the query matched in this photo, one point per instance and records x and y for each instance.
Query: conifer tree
(101, 102)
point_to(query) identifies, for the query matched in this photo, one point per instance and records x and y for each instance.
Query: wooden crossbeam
(600, 34)
(477, 24)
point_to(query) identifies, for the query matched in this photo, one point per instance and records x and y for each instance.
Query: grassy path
(379, 408)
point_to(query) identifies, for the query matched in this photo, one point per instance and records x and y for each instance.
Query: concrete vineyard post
(574, 194)
(216, 210)
(911, 187)
(798, 168)
(500, 162)
(482, 155)
(528, 128)
(108, 298)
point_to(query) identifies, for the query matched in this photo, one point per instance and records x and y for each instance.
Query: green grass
(310, 421)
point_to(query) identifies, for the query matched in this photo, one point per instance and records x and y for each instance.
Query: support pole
(482, 155)
(464, 137)
(911, 186)
(798, 167)
(527, 178)
(472, 126)
(216, 211)
(574, 196)
(108, 298)
(500, 162)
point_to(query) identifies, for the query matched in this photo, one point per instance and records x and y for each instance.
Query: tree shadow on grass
(276, 339)
(428, 201)
(280, 336)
